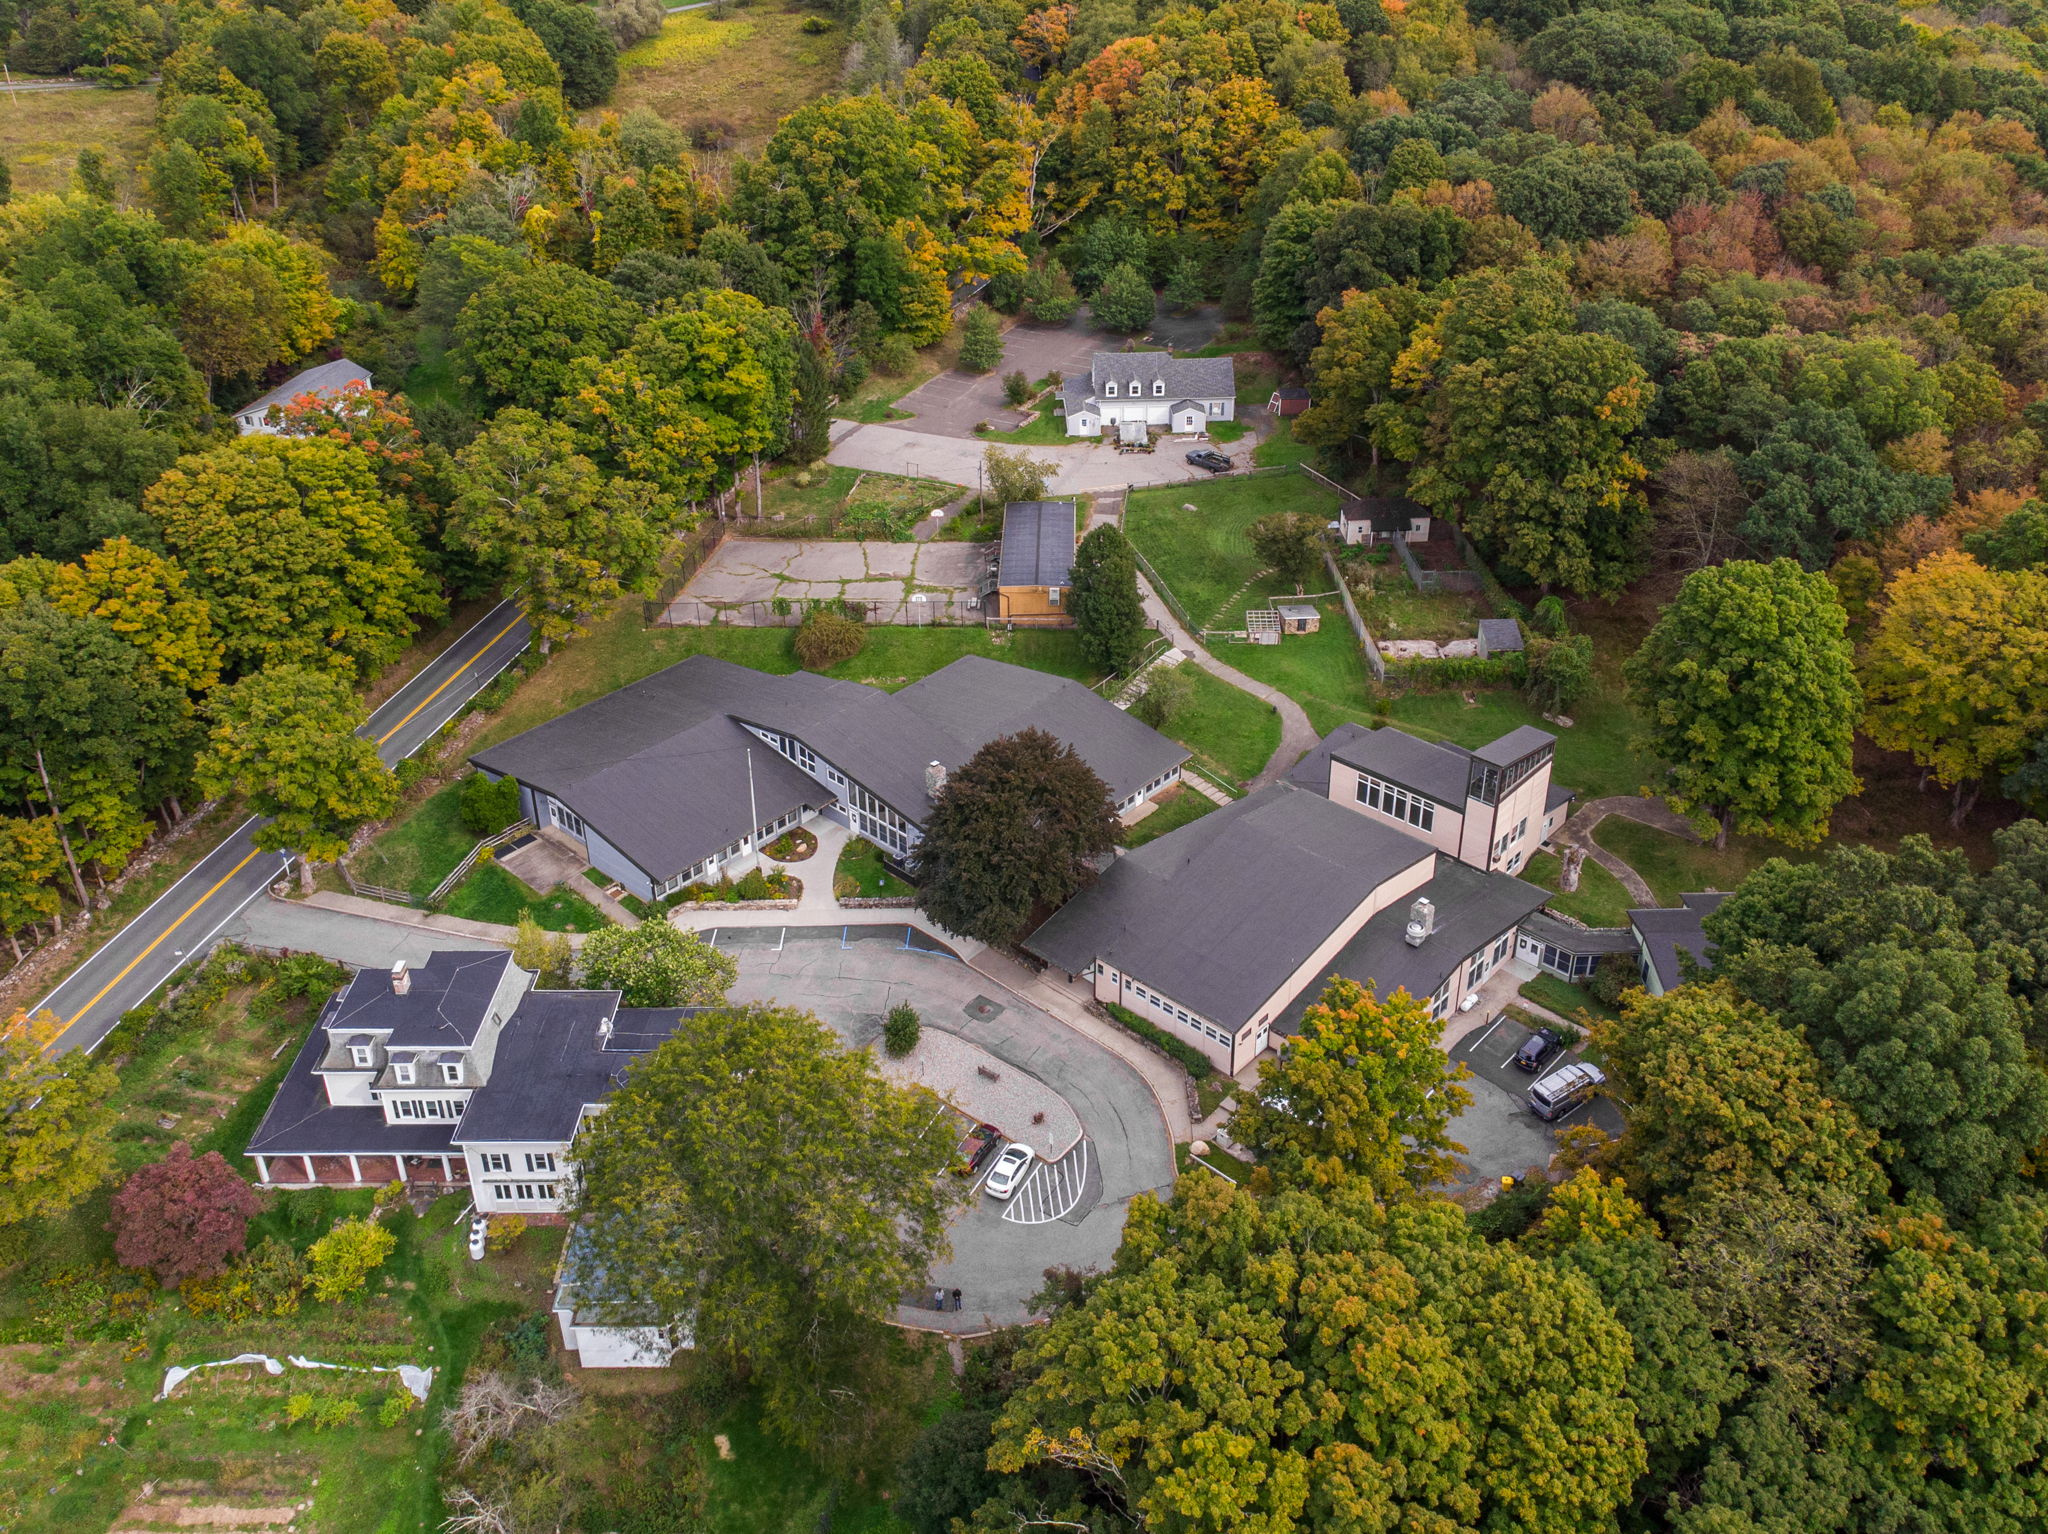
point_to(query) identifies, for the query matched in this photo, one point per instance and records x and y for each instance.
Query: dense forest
(1626, 290)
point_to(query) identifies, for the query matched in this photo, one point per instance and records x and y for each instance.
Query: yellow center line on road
(152, 948)
(430, 697)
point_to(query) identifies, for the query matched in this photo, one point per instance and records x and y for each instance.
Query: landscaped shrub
(981, 342)
(1196, 1063)
(505, 1233)
(184, 1216)
(826, 639)
(335, 1411)
(396, 1405)
(900, 1033)
(1615, 973)
(753, 885)
(346, 1256)
(488, 807)
(1016, 387)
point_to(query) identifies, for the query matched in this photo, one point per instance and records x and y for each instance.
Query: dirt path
(1578, 832)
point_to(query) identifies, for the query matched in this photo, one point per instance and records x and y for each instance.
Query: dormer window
(404, 1071)
(1109, 390)
(359, 1056)
(1136, 388)
(451, 1072)
(1158, 386)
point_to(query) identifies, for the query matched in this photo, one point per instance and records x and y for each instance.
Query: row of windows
(536, 1161)
(1174, 1011)
(1150, 789)
(698, 870)
(1575, 966)
(523, 1192)
(449, 1108)
(407, 1073)
(1509, 838)
(1397, 802)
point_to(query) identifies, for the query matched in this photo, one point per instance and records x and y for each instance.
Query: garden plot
(895, 579)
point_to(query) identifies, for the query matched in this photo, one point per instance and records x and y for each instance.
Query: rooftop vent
(934, 779)
(401, 979)
(1421, 922)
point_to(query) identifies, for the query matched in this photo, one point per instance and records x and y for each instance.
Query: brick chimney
(401, 979)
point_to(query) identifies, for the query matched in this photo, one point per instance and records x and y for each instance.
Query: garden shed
(1499, 636)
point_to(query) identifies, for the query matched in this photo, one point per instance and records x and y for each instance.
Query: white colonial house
(1127, 393)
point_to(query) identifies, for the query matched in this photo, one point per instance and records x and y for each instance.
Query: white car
(479, 1233)
(1008, 1172)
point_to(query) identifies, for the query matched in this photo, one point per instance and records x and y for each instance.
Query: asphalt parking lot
(1068, 1213)
(1500, 1134)
(951, 404)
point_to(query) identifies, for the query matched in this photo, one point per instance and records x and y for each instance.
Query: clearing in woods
(41, 133)
(728, 83)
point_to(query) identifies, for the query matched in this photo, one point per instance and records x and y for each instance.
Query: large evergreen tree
(1012, 834)
(1104, 599)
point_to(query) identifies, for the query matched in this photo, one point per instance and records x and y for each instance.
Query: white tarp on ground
(417, 1380)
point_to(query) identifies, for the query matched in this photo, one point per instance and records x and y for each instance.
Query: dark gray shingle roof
(1472, 909)
(447, 1002)
(1669, 930)
(1557, 932)
(1038, 544)
(1193, 377)
(1523, 740)
(1429, 767)
(300, 1121)
(1499, 636)
(553, 1059)
(1219, 913)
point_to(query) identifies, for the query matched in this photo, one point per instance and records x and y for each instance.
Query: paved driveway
(889, 574)
(951, 404)
(1083, 468)
(1500, 1135)
(1068, 1214)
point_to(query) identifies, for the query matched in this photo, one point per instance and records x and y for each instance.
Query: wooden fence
(511, 833)
(1359, 631)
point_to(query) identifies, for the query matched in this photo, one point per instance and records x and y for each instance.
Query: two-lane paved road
(183, 921)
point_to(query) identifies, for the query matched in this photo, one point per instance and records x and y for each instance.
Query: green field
(1673, 867)
(1599, 901)
(42, 132)
(490, 894)
(817, 510)
(415, 854)
(1177, 807)
(1049, 429)
(743, 74)
(1393, 609)
(1203, 555)
(1231, 733)
(1323, 671)
(1596, 756)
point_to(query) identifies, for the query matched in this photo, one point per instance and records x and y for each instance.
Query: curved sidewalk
(1578, 832)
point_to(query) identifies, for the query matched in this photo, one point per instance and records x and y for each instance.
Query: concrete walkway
(1578, 832)
(1297, 736)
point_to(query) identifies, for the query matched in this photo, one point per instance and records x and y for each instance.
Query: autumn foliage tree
(56, 1126)
(183, 1217)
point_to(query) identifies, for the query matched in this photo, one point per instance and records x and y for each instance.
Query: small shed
(1382, 519)
(1298, 617)
(1036, 564)
(1288, 401)
(1499, 636)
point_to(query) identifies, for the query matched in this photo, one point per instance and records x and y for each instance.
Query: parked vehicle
(1009, 1171)
(975, 1147)
(1564, 1089)
(1208, 458)
(479, 1233)
(1536, 1049)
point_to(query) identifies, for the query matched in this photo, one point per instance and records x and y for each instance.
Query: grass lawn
(1323, 671)
(1564, 998)
(421, 850)
(621, 648)
(1177, 806)
(1599, 901)
(1394, 609)
(1231, 733)
(490, 894)
(433, 376)
(42, 132)
(1279, 447)
(1227, 431)
(1672, 867)
(861, 859)
(1049, 430)
(745, 73)
(1203, 554)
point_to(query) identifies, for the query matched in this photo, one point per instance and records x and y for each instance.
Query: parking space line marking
(1474, 1045)
(1053, 1190)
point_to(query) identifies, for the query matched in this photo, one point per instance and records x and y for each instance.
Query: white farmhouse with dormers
(1147, 389)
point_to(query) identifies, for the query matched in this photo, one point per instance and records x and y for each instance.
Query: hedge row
(1459, 671)
(1197, 1064)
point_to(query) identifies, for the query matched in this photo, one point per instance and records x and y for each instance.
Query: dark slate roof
(328, 378)
(1386, 513)
(1291, 393)
(1558, 794)
(300, 1121)
(1559, 933)
(448, 1002)
(1429, 767)
(976, 700)
(554, 1058)
(1472, 909)
(1498, 636)
(1669, 930)
(1198, 377)
(1524, 740)
(1219, 913)
(1312, 772)
(1038, 544)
